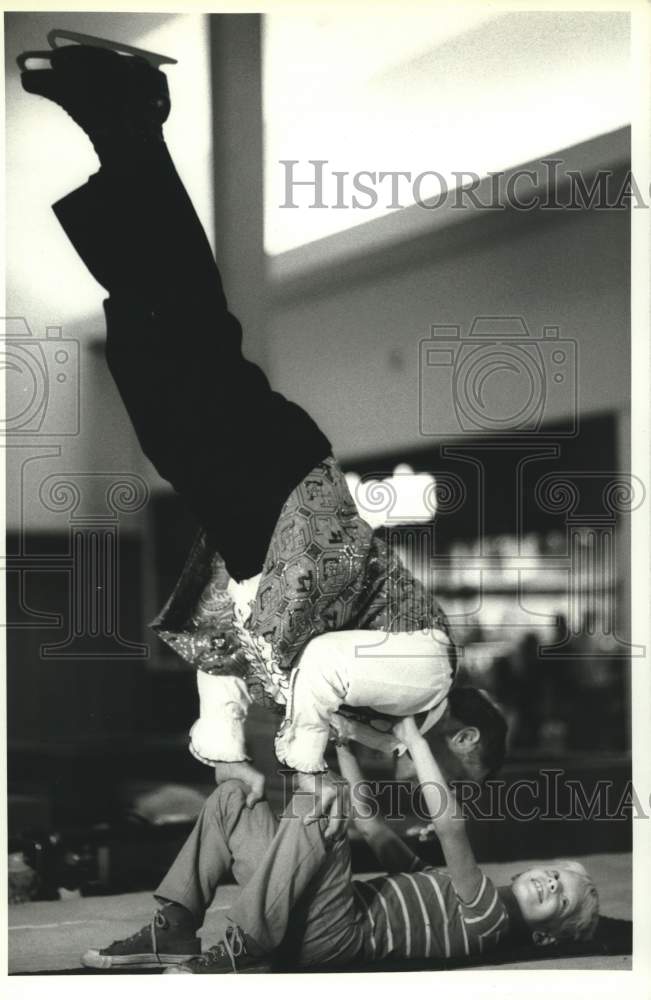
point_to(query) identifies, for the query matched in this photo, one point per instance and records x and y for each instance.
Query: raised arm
(390, 849)
(447, 819)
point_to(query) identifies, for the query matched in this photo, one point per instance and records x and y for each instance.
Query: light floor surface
(46, 937)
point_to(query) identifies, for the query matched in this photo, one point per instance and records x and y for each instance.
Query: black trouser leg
(205, 416)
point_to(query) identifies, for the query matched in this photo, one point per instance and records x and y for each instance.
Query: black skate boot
(115, 93)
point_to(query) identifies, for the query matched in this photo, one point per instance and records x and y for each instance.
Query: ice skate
(110, 90)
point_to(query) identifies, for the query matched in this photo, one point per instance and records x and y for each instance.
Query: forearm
(391, 851)
(218, 733)
(439, 799)
(364, 808)
(447, 819)
(349, 766)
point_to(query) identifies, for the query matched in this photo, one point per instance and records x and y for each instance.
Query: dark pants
(297, 889)
(204, 415)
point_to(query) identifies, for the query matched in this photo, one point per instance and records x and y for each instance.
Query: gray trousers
(296, 888)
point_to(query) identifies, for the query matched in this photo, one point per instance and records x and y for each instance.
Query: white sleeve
(218, 733)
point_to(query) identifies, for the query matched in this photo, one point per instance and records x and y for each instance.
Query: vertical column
(236, 49)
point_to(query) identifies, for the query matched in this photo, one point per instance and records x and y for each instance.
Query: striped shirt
(418, 914)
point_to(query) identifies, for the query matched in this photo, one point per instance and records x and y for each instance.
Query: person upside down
(288, 598)
(298, 897)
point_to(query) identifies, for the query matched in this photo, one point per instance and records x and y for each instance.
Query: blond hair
(581, 923)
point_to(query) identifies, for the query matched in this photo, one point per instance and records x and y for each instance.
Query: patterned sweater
(325, 570)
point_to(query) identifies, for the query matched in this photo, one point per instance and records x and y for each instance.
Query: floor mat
(48, 937)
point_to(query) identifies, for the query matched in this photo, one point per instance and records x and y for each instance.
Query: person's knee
(228, 795)
(305, 808)
(323, 672)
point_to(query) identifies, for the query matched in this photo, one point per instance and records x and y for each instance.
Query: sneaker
(158, 944)
(229, 956)
(105, 92)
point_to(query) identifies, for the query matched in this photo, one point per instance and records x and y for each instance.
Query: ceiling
(430, 89)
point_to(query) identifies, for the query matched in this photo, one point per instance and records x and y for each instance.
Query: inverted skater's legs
(135, 228)
(205, 416)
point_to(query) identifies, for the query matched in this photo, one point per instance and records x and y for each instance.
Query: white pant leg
(319, 686)
(401, 675)
(218, 733)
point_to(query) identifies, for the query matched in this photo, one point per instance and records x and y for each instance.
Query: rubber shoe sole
(93, 959)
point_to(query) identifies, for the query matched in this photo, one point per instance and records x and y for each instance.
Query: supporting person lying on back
(298, 891)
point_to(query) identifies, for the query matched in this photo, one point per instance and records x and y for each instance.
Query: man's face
(453, 753)
(450, 755)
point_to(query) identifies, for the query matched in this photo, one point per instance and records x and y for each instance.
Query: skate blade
(153, 58)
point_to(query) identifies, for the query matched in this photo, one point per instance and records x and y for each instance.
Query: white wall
(347, 347)
(47, 156)
(350, 352)
(429, 87)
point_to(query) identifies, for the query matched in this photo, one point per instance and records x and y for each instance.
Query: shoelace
(158, 920)
(232, 947)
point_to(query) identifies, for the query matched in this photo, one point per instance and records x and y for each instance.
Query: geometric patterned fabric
(325, 570)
